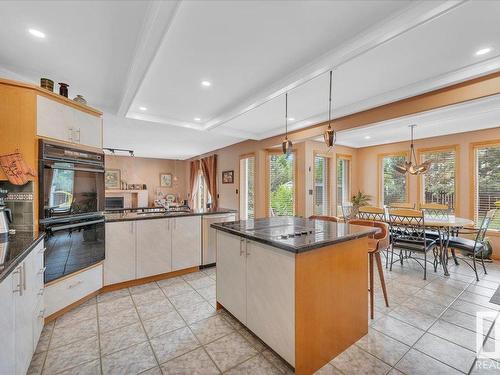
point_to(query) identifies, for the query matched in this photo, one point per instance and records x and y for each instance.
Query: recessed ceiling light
(483, 51)
(206, 83)
(367, 137)
(143, 108)
(36, 33)
(197, 119)
(291, 118)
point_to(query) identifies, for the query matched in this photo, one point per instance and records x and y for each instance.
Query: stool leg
(381, 275)
(371, 284)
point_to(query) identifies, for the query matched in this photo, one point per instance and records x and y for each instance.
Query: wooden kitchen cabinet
(154, 247)
(120, 262)
(231, 274)
(186, 242)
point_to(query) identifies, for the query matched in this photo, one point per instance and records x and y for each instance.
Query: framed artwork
(112, 179)
(228, 177)
(166, 180)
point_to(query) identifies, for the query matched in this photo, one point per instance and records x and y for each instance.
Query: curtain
(193, 180)
(209, 169)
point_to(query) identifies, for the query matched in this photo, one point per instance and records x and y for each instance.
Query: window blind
(343, 188)
(393, 183)
(281, 187)
(247, 188)
(487, 182)
(439, 183)
(321, 186)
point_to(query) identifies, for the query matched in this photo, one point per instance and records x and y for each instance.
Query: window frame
(380, 174)
(245, 156)
(268, 153)
(347, 157)
(329, 175)
(420, 180)
(473, 178)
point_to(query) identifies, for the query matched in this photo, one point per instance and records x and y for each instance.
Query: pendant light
(410, 166)
(329, 135)
(286, 146)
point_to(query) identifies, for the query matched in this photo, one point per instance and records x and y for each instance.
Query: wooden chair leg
(370, 258)
(381, 275)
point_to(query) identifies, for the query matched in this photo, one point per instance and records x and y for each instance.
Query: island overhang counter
(300, 285)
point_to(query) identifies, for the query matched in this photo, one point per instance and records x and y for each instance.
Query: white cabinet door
(23, 321)
(231, 274)
(270, 275)
(186, 242)
(88, 129)
(154, 247)
(210, 236)
(7, 355)
(119, 264)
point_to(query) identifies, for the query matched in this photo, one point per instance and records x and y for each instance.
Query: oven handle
(69, 226)
(78, 169)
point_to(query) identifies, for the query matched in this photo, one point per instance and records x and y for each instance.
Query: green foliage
(394, 182)
(281, 180)
(360, 199)
(282, 200)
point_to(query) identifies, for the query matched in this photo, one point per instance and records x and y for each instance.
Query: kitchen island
(300, 285)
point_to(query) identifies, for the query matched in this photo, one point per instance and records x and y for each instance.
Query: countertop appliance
(5, 214)
(71, 208)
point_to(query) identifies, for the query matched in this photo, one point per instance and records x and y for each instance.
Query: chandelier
(410, 166)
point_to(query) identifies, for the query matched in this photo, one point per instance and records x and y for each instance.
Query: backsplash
(20, 201)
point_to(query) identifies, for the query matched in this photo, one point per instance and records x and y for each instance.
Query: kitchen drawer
(71, 289)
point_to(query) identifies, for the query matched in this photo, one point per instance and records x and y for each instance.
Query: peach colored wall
(147, 171)
(367, 168)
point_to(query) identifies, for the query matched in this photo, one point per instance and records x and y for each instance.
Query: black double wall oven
(71, 208)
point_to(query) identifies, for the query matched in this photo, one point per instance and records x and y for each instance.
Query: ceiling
(474, 115)
(123, 55)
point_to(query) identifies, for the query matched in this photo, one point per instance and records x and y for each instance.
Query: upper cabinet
(58, 121)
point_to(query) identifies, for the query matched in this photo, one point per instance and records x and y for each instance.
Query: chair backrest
(488, 218)
(407, 224)
(347, 210)
(334, 219)
(402, 205)
(382, 235)
(371, 213)
(440, 211)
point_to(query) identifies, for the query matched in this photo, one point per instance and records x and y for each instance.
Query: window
(343, 181)
(439, 183)
(281, 187)
(394, 185)
(247, 188)
(486, 181)
(62, 188)
(321, 184)
(202, 198)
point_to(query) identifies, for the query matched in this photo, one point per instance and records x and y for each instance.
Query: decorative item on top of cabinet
(47, 84)
(63, 89)
(80, 99)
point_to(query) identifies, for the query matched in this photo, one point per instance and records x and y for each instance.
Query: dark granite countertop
(129, 215)
(14, 248)
(283, 232)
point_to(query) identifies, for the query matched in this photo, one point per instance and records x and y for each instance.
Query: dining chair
(473, 247)
(377, 242)
(407, 228)
(402, 205)
(334, 219)
(371, 213)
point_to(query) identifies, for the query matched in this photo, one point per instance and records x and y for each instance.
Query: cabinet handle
(41, 314)
(24, 276)
(42, 250)
(78, 131)
(19, 285)
(42, 270)
(242, 250)
(41, 291)
(70, 135)
(75, 284)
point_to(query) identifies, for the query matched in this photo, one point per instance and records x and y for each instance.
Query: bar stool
(378, 242)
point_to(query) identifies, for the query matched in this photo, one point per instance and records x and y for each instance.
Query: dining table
(445, 226)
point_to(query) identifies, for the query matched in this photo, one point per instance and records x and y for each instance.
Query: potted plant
(359, 200)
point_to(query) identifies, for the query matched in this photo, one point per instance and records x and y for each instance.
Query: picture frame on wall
(228, 177)
(166, 180)
(112, 179)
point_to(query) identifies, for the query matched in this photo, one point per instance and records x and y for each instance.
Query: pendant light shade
(329, 135)
(287, 145)
(410, 166)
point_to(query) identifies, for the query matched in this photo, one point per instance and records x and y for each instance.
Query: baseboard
(123, 285)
